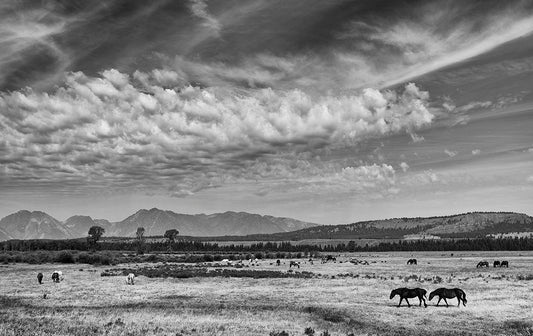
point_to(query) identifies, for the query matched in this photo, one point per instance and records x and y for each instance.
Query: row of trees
(140, 245)
(96, 232)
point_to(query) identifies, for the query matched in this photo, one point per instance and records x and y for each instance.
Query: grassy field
(340, 299)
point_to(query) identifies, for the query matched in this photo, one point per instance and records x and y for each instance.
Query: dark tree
(140, 240)
(95, 233)
(171, 236)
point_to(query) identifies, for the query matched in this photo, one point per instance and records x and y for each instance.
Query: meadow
(339, 298)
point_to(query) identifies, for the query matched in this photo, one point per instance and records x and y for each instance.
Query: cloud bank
(110, 130)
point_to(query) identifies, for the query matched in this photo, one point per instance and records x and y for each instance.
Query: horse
(55, 276)
(496, 263)
(411, 262)
(504, 263)
(482, 264)
(278, 262)
(131, 279)
(40, 278)
(449, 293)
(328, 258)
(406, 293)
(294, 263)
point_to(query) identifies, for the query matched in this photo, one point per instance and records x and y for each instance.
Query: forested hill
(468, 225)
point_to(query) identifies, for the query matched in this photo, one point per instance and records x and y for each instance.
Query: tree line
(172, 243)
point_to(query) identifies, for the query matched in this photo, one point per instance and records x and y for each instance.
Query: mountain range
(245, 226)
(26, 224)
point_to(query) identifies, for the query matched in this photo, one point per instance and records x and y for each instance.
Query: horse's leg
(422, 299)
(447, 305)
(401, 298)
(408, 304)
(439, 300)
(458, 300)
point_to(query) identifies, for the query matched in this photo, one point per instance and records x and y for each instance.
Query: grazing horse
(131, 279)
(482, 264)
(40, 278)
(411, 262)
(504, 263)
(407, 293)
(278, 262)
(449, 293)
(496, 263)
(55, 276)
(328, 258)
(294, 263)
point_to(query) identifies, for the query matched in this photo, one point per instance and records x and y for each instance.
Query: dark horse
(482, 264)
(496, 263)
(407, 293)
(447, 293)
(504, 263)
(328, 258)
(40, 278)
(411, 262)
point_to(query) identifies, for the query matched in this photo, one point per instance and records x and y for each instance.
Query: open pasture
(341, 298)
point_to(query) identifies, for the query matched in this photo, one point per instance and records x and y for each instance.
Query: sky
(325, 111)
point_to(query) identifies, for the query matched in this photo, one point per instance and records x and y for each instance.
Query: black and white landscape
(265, 167)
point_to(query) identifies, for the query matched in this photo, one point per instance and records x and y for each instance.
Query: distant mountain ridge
(467, 225)
(26, 224)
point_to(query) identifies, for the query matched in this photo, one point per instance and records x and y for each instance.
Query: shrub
(309, 331)
(259, 255)
(279, 333)
(208, 257)
(65, 257)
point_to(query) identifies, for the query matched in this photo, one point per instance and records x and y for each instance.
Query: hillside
(469, 225)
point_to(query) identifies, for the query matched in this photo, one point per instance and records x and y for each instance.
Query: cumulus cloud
(404, 166)
(135, 131)
(476, 152)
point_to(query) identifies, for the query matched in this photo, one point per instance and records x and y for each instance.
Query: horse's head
(393, 293)
(431, 295)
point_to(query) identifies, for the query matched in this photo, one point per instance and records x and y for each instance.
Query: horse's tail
(463, 295)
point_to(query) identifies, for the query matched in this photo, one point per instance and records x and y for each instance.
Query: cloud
(450, 153)
(476, 152)
(530, 179)
(135, 132)
(199, 9)
(404, 166)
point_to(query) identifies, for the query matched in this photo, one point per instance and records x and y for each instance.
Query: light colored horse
(131, 279)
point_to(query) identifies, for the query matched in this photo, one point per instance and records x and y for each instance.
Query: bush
(309, 331)
(65, 257)
(208, 258)
(279, 333)
(259, 255)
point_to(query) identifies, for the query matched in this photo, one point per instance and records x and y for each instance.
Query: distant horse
(447, 293)
(482, 264)
(407, 293)
(56, 276)
(278, 262)
(130, 279)
(496, 263)
(40, 278)
(504, 263)
(311, 261)
(294, 263)
(411, 262)
(328, 258)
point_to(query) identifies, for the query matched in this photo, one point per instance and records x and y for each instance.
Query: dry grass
(346, 299)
